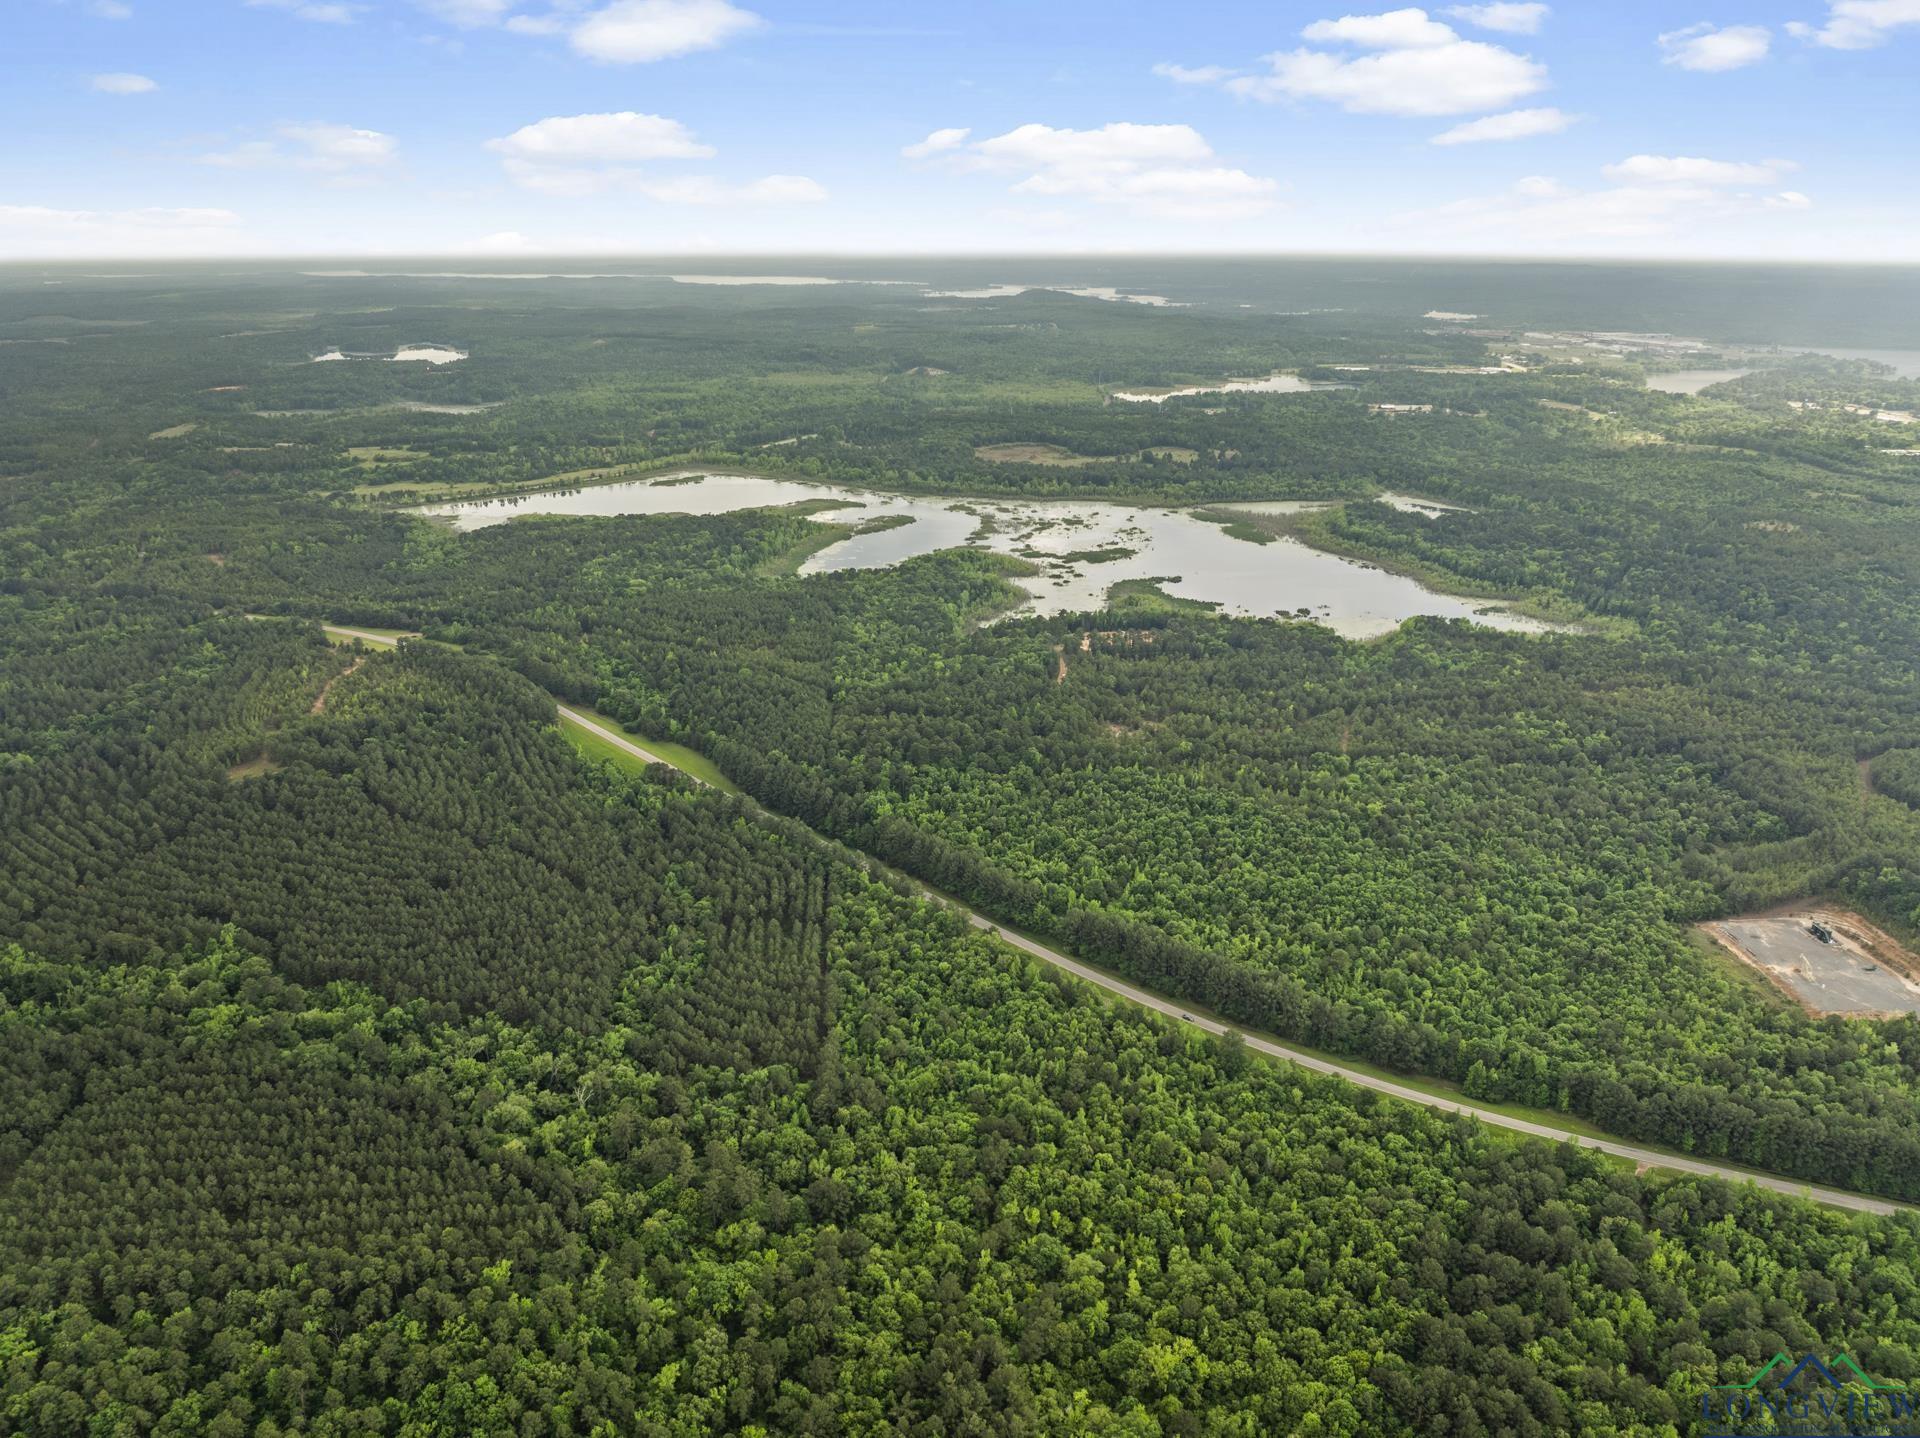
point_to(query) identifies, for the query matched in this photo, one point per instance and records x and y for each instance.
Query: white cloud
(578, 155)
(623, 136)
(334, 149)
(340, 147)
(1859, 24)
(938, 141)
(1511, 19)
(1110, 149)
(1417, 66)
(638, 31)
(1653, 197)
(1513, 125)
(1395, 30)
(1705, 47)
(109, 10)
(123, 84)
(36, 230)
(1193, 74)
(1162, 170)
(322, 11)
(1684, 170)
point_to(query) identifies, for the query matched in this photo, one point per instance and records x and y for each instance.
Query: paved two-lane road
(1169, 1007)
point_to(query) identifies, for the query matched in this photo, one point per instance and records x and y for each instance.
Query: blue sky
(501, 127)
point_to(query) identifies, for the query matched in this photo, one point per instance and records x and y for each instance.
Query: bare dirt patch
(320, 699)
(1863, 972)
(174, 431)
(1037, 454)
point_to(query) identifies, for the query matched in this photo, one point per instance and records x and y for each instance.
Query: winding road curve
(1652, 1158)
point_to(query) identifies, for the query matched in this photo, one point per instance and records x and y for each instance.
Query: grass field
(688, 761)
(382, 638)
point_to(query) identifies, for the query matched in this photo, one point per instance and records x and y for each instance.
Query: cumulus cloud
(1511, 19)
(1401, 62)
(28, 231)
(123, 84)
(1859, 24)
(1652, 197)
(1513, 125)
(936, 143)
(1163, 170)
(590, 154)
(1707, 47)
(332, 149)
(1395, 30)
(598, 139)
(638, 31)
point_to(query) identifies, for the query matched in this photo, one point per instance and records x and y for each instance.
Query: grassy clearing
(381, 638)
(371, 456)
(415, 489)
(1759, 986)
(253, 769)
(1059, 457)
(688, 761)
(175, 432)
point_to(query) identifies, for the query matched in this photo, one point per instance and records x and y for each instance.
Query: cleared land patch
(1862, 972)
(1063, 458)
(1038, 454)
(369, 455)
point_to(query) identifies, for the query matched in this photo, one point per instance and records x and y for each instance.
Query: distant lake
(1906, 363)
(1692, 381)
(1193, 558)
(1268, 384)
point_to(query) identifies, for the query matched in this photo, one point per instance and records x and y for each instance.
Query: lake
(1692, 381)
(1192, 557)
(1269, 384)
(1905, 363)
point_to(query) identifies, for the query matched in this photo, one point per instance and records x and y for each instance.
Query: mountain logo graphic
(1811, 1364)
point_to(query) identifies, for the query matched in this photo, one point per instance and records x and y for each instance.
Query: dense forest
(375, 1062)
